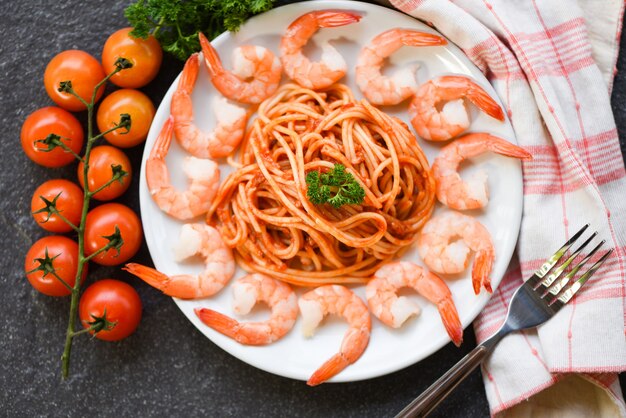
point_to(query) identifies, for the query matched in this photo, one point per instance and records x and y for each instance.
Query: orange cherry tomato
(132, 102)
(51, 120)
(101, 222)
(82, 69)
(63, 256)
(101, 162)
(69, 202)
(145, 55)
(120, 302)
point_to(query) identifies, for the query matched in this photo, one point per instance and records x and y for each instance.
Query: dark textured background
(167, 368)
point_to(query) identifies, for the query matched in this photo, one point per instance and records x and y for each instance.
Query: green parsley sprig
(336, 187)
(176, 23)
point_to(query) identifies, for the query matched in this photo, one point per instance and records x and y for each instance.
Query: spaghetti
(262, 209)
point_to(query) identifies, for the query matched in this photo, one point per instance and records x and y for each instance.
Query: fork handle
(438, 391)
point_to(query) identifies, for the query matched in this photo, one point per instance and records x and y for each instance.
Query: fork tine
(554, 258)
(547, 282)
(559, 285)
(567, 295)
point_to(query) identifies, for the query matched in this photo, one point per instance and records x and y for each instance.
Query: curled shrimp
(194, 239)
(437, 110)
(247, 291)
(445, 243)
(204, 176)
(339, 300)
(332, 67)
(452, 191)
(255, 76)
(383, 90)
(394, 311)
(231, 119)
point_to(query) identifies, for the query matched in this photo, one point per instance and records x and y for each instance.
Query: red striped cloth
(552, 63)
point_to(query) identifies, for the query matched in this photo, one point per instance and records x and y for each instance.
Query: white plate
(389, 350)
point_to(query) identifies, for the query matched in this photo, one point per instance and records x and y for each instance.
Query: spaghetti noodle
(262, 209)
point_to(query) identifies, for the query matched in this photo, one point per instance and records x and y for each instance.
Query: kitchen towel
(552, 63)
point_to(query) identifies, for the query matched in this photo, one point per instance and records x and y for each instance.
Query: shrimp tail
(328, 19)
(163, 141)
(451, 321)
(221, 323)
(503, 147)
(414, 38)
(333, 366)
(480, 271)
(211, 58)
(485, 102)
(189, 74)
(149, 275)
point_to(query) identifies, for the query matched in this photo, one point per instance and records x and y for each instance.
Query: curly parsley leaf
(176, 23)
(337, 188)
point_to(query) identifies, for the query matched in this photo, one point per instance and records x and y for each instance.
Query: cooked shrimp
(194, 239)
(393, 310)
(452, 191)
(382, 90)
(231, 119)
(204, 175)
(246, 293)
(445, 243)
(339, 300)
(332, 67)
(255, 76)
(437, 111)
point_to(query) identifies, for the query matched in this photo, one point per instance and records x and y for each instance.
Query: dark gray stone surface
(167, 368)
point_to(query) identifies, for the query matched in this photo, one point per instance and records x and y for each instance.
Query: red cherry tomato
(69, 203)
(62, 256)
(101, 222)
(132, 102)
(144, 54)
(82, 69)
(51, 120)
(101, 161)
(121, 304)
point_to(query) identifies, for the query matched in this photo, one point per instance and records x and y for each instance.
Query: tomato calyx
(115, 242)
(99, 323)
(53, 141)
(51, 209)
(46, 266)
(122, 63)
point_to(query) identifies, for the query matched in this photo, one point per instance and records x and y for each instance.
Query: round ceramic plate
(389, 350)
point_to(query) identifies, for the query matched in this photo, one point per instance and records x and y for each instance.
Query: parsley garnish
(337, 187)
(176, 23)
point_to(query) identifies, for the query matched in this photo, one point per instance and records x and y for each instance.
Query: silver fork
(532, 304)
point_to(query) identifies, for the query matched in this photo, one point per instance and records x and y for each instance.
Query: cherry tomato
(132, 102)
(51, 120)
(144, 54)
(101, 162)
(82, 69)
(63, 256)
(69, 203)
(121, 303)
(101, 222)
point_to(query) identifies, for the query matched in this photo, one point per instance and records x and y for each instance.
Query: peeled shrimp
(231, 119)
(339, 300)
(383, 90)
(247, 291)
(445, 243)
(255, 76)
(332, 67)
(452, 191)
(437, 111)
(393, 310)
(204, 175)
(194, 239)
